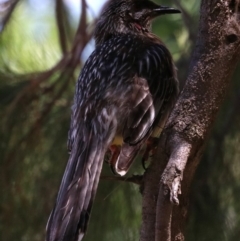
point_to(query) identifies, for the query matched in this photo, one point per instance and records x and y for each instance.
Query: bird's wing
(142, 114)
(154, 92)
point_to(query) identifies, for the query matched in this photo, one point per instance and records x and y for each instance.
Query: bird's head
(128, 16)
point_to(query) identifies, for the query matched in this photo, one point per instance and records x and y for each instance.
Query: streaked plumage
(126, 87)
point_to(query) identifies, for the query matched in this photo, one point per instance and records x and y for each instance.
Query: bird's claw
(151, 146)
(112, 156)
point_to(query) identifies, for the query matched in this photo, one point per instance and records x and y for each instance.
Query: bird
(125, 91)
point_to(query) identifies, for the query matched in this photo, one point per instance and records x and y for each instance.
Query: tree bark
(170, 174)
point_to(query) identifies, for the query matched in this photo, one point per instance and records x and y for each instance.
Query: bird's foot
(150, 150)
(112, 156)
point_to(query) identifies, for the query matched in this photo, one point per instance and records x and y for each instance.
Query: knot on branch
(232, 30)
(231, 38)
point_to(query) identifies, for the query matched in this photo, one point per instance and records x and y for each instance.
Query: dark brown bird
(127, 87)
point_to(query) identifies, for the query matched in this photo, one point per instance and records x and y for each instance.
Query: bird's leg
(112, 154)
(151, 147)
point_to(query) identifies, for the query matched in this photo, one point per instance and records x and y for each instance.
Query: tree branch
(9, 10)
(60, 25)
(188, 21)
(135, 179)
(69, 60)
(170, 187)
(215, 57)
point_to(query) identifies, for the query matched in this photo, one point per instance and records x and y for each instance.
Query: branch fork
(173, 173)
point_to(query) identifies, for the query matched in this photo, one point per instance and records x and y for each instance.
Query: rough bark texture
(215, 57)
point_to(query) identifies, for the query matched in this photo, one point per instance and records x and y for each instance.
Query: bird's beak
(165, 10)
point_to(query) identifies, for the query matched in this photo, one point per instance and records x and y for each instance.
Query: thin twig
(187, 19)
(60, 24)
(34, 84)
(136, 179)
(10, 10)
(47, 108)
(80, 41)
(81, 34)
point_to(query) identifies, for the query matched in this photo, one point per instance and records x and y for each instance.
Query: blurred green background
(35, 101)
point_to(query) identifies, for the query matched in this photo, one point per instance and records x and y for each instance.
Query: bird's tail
(69, 218)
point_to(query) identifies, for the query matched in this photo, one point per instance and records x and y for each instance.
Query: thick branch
(170, 187)
(215, 57)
